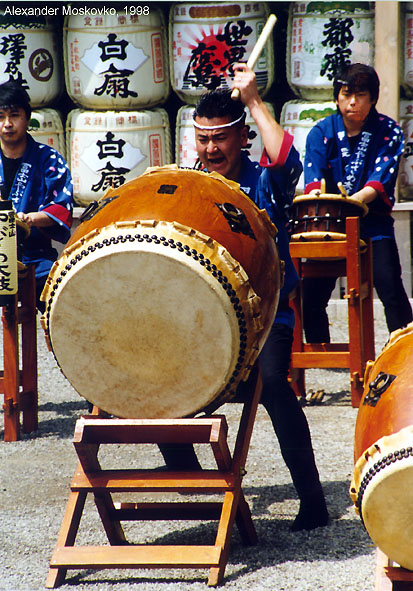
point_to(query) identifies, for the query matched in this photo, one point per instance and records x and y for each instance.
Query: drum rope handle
(257, 49)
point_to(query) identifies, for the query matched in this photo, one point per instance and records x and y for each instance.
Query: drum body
(323, 216)
(163, 298)
(383, 450)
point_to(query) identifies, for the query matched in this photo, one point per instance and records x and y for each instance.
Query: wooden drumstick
(342, 189)
(257, 49)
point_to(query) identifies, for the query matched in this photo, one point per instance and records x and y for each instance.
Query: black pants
(287, 416)
(387, 282)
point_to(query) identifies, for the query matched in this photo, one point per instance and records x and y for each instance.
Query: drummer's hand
(26, 218)
(366, 194)
(36, 218)
(246, 82)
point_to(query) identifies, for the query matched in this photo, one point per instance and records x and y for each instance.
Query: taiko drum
(162, 299)
(381, 488)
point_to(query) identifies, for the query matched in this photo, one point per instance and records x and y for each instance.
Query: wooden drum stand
(89, 477)
(337, 258)
(19, 384)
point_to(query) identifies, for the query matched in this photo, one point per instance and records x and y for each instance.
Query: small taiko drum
(322, 216)
(381, 488)
(165, 294)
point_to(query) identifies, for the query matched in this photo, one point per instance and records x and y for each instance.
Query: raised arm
(271, 132)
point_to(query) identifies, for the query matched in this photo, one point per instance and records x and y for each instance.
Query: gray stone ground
(36, 473)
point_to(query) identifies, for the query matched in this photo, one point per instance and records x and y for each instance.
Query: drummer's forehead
(213, 126)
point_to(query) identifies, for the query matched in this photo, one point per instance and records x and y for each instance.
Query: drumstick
(342, 189)
(257, 49)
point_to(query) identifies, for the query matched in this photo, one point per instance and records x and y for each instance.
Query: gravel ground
(36, 474)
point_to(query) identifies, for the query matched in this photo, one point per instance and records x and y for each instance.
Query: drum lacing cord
(191, 252)
(391, 458)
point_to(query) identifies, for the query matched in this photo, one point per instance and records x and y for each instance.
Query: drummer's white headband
(208, 127)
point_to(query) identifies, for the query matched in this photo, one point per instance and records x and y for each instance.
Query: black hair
(218, 103)
(357, 77)
(14, 95)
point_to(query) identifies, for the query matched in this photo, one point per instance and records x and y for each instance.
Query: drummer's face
(13, 127)
(219, 150)
(354, 106)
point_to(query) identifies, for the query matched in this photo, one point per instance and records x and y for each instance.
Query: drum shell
(317, 215)
(195, 206)
(175, 205)
(394, 408)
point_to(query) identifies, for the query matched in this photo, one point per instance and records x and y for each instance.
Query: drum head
(153, 332)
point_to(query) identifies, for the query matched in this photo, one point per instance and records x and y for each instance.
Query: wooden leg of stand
(67, 536)
(223, 539)
(29, 354)
(11, 372)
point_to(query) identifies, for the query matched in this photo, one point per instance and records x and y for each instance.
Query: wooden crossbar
(336, 258)
(90, 478)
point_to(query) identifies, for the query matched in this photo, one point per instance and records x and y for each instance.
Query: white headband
(207, 127)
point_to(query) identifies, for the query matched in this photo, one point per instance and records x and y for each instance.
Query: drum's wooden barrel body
(163, 297)
(323, 216)
(383, 448)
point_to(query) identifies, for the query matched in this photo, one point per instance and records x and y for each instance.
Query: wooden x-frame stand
(337, 258)
(89, 477)
(19, 384)
(390, 577)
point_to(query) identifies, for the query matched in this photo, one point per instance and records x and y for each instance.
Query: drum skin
(164, 295)
(322, 216)
(381, 488)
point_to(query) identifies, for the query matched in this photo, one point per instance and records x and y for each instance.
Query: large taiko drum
(381, 488)
(322, 216)
(162, 299)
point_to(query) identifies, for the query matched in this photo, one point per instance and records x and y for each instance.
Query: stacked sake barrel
(321, 37)
(30, 55)
(116, 70)
(207, 39)
(298, 117)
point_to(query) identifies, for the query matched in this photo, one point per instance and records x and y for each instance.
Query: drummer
(221, 135)
(360, 148)
(37, 180)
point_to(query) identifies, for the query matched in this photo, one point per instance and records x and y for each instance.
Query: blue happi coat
(373, 162)
(42, 183)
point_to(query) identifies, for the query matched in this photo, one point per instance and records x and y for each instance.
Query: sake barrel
(185, 149)
(106, 149)
(298, 117)
(118, 60)
(406, 161)
(46, 127)
(322, 36)
(407, 56)
(207, 39)
(29, 54)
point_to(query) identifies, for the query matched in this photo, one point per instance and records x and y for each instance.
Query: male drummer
(38, 182)
(221, 134)
(360, 148)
